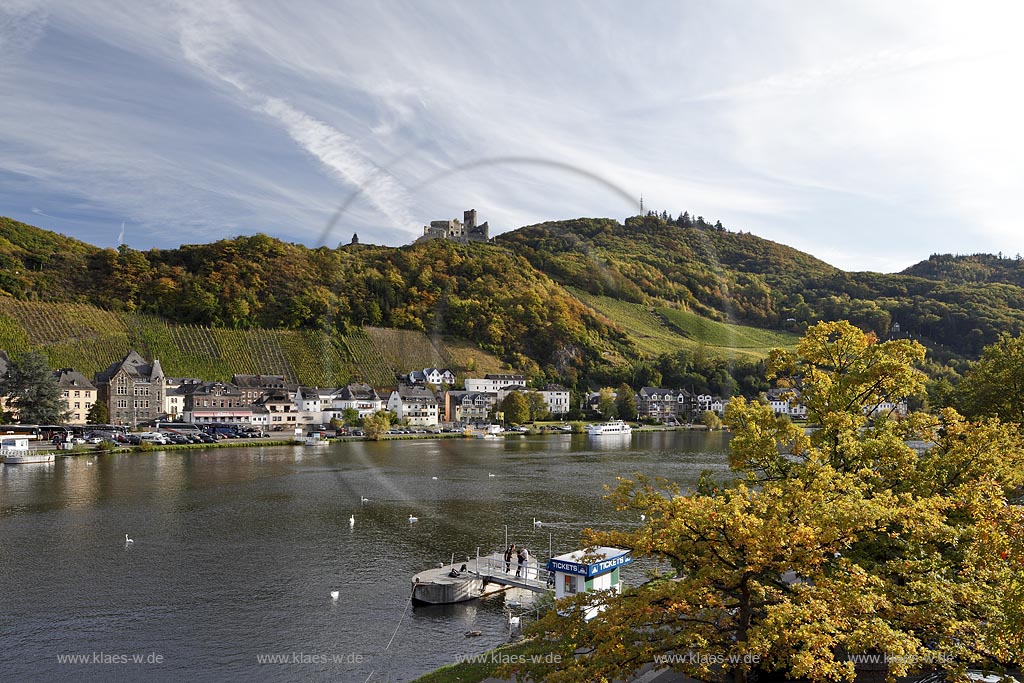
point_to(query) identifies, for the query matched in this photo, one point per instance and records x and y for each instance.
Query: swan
(537, 522)
(643, 518)
(351, 520)
(413, 519)
(128, 541)
(489, 474)
(364, 499)
(434, 478)
(334, 595)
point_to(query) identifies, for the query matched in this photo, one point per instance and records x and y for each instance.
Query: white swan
(364, 499)
(537, 522)
(489, 474)
(434, 478)
(128, 541)
(643, 517)
(413, 519)
(334, 595)
(351, 520)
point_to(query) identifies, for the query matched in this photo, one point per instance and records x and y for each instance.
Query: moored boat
(609, 427)
(15, 451)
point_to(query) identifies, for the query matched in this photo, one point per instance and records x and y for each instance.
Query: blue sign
(589, 570)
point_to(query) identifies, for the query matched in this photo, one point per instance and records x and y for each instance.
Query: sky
(869, 134)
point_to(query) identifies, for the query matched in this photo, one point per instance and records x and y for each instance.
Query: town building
(468, 407)
(78, 393)
(360, 397)
(556, 397)
(434, 376)
(133, 390)
(210, 402)
(494, 383)
(415, 405)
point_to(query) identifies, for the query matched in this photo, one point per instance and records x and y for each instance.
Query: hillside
(88, 339)
(577, 301)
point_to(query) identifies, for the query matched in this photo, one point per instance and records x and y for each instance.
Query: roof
(358, 392)
(416, 394)
(258, 381)
(135, 366)
(207, 388)
(521, 378)
(68, 378)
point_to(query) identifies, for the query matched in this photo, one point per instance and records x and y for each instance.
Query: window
(78, 394)
(570, 583)
(122, 403)
(78, 404)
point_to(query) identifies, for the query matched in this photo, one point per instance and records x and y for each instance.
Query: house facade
(494, 383)
(209, 402)
(414, 404)
(78, 393)
(468, 407)
(655, 403)
(435, 376)
(360, 397)
(556, 397)
(133, 390)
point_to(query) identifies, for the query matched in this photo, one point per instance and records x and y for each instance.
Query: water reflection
(237, 550)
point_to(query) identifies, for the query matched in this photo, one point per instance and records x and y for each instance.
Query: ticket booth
(586, 571)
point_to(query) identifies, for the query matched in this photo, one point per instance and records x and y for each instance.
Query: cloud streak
(825, 127)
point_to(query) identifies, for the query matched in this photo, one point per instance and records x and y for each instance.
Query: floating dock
(477, 577)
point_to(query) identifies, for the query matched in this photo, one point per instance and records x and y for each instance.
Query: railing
(530, 572)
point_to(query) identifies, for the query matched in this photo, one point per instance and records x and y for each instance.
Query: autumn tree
(376, 425)
(516, 408)
(845, 542)
(606, 403)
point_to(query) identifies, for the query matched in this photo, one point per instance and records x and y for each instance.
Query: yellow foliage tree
(824, 548)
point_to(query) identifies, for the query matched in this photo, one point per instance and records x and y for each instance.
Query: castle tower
(468, 221)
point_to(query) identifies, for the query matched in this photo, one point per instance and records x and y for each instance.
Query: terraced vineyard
(89, 339)
(657, 330)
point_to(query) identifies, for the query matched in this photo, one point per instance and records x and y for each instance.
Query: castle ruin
(465, 231)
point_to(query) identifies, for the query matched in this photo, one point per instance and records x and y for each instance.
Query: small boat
(609, 427)
(314, 439)
(15, 451)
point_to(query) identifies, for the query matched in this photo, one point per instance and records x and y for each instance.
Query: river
(236, 551)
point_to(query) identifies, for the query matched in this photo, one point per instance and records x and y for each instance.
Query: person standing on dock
(508, 557)
(523, 555)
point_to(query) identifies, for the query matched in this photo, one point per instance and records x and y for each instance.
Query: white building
(417, 405)
(359, 397)
(434, 376)
(557, 399)
(494, 383)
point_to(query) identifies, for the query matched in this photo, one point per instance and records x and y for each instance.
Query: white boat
(609, 427)
(15, 451)
(314, 439)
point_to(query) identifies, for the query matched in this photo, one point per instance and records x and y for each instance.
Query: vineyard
(89, 339)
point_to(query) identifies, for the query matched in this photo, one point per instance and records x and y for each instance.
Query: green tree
(606, 403)
(843, 543)
(32, 392)
(98, 414)
(625, 402)
(350, 417)
(516, 407)
(994, 385)
(538, 406)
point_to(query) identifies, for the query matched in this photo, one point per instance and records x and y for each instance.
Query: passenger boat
(15, 451)
(610, 427)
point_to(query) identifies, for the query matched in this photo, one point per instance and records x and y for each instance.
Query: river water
(236, 551)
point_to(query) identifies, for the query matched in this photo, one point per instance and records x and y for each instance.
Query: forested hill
(973, 268)
(532, 297)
